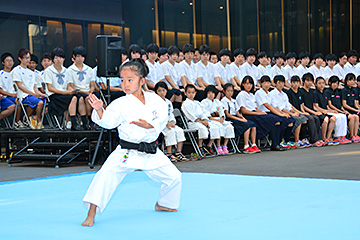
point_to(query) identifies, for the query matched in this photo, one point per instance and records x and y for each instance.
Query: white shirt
(261, 98)
(57, 80)
(230, 105)
(6, 82)
(26, 77)
(301, 70)
(114, 81)
(349, 68)
(121, 112)
(171, 71)
(340, 71)
(263, 71)
(251, 70)
(223, 71)
(317, 72)
(213, 106)
(81, 79)
(279, 100)
(187, 70)
(193, 110)
(171, 117)
(328, 72)
(246, 100)
(235, 71)
(206, 73)
(276, 70)
(289, 72)
(155, 72)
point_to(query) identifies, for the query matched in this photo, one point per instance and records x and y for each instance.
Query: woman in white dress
(139, 117)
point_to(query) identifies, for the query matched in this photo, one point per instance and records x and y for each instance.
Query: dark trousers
(313, 127)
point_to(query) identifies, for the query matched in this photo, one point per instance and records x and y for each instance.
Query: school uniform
(81, 79)
(188, 70)
(59, 103)
(301, 70)
(235, 71)
(280, 100)
(340, 71)
(27, 79)
(341, 121)
(263, 71)
(206, 72)
(226, 129)
(239, 127)
(173, 135)
(350, 95)
(171, 71)
(193, 110)
(276, 70)
(349, 68)
(335, 97)
(7, 84)
(289, 72)
(329, 72)
(114, 82)
(223, 72)
(264, 123)
(120, 113)
(317, 72)
(155, 74)
(314, 122)
(250, 70)
(38, 78)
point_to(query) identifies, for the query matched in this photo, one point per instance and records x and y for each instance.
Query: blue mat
(213, 206)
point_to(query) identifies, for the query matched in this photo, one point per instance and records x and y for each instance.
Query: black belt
(141, 147)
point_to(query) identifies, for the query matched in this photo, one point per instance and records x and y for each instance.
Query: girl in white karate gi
(173, 134)
(216, 114)
(139, 117)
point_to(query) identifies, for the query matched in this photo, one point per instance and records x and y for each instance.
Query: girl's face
(279, 61)
(247, 85)
(295, 85)
(263, 61)
(343, 60)
(210, 95)
(164, 57)
(331, 63)
(320, 85)
(334, 85)
(308, 83)
(240, 59)
(130, 81)
(214, 59)
(251, 59)
(58, 61)
(161, 92)
(205, 56)
(152, 56)
(46, 63)
(305, 61)
(8, 62)
(350, 82)
(173, 57)
(79, 59)
(266, 85)
(189, 56)
(135, 55)
(291, 61)
(229, 92)
(225, 58)
(181, 56)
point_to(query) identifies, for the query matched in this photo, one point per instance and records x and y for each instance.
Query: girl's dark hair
(279, 78)
(251, 52)
(227, 85)
(204, 49)
(152, 47)
(34, 58)
(265, 78)
(210, 88)
(224, 52)
(308, 76)
(188, 48)
(348, 77)
(135, 49)
(57, 52)
(137, 65)
(80, 50)
(334, 79)
(238, 52)
(45, 56)
(262, 55)
(5, 55)
(173, 50)
(160, 85)
(162, 51)
(249, 79)
(331, 57)
(295, 78)
(303, 55)
(23, 52)
(279, 54)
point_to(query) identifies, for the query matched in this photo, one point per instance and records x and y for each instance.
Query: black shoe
(277, 148)
(76, 127)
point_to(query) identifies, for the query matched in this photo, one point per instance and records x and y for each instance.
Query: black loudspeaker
(108, 55)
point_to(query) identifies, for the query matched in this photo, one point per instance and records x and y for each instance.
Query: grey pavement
(331, 162)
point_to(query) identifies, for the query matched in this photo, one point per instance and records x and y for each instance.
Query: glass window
(356, 24)
(341, 26)
(320, 27)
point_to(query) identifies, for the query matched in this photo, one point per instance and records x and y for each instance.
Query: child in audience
(198, 119)
(249, 68)
(335, 121)
(235, 69)
(265, 123)
(82, 78)
(333, 96)
(216, 114)
(173, 134)
(278, 68)
(241, 125)
(25, 80)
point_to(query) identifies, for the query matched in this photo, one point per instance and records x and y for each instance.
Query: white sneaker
(68, 125)
(19, 124)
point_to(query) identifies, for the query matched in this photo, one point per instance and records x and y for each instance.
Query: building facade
(326, 26)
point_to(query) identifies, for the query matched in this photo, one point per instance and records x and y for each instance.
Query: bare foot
(90, 219)
(161, 208)
(89, 222)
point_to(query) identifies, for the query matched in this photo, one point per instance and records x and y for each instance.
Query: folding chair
(103, 98)
(60, 124)
(189, 132)
(7, 122)
(19, 103)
